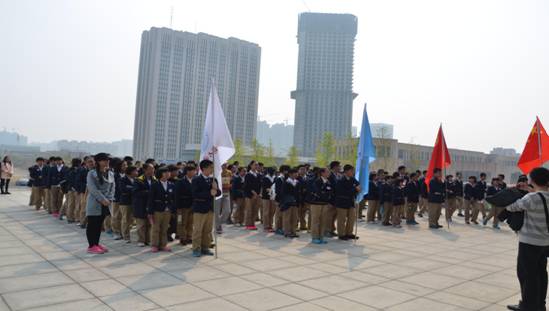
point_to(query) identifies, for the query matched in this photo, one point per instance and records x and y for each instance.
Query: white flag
(217, 144)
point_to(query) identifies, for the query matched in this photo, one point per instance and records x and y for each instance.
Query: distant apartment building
(280, 135)
(324, 93)
(175, 76)
(381, 130)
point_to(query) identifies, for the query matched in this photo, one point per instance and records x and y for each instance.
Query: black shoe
(170, 239)
(514, 307)
(420, 215)
(60, 216)
(461, 215)
(82, 226)
(343, 238)
(352, 237)
(387, 224)
(7, 192)
(433, 227)
(439, 226)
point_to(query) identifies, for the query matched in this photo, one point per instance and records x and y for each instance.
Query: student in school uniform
(319, 200)
(237, 194)
(398, 201)
(81, 188)
(72, 195)
(302, 207)
(183, 204)
(372, 197)
(424, 195)
(458, 192)
(436, 198)
(205, 188)
(479, 194)
(119, 169)
(269, 204)
(451, 203)
(57, 176)
(335, 175)
(469, 198)
(278, 185)
(288, 204)
(386, 199)
(174, 177)
(222, 206)
(345, 193)
(127, 183)
(252, 191)
(493, 189)
(412, 198)
(160, 207)
(47, 189)
(38, 173)
(140, 198)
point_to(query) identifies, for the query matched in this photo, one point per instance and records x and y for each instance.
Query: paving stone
(263, 299)
(208, 304)
(8, 285)
(45, 296)
(335, 303)
(376, 296)
(174, 295)
(227, 286)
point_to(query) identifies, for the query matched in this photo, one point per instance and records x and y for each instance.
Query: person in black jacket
(423, 194)
(492, 190)
(278, 185)
(57, 177)
(479, 194)
(174, 177)
(345, 193)
(237, 195)
(127, 183)
(451, 202)
(140, 197)
(160, 207)
(72, 196)
(288, 204)
(269, 205)
(436, 198)
(373, 199)
(335, 175)
(320, 197)
(38, 175)
(302, 206)
(252, 191)
(183, 203)
(205, 189)
(398, 200)
(385, 199)
(81, 186)
(458, 192)
(469, 198)
(412, 198)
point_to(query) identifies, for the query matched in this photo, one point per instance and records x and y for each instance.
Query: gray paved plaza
(44, 266)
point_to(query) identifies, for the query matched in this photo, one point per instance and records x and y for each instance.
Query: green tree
(270, 157)
(258, 151)
(351, 155)
(293, 157)
(238, 151)
(325, 150)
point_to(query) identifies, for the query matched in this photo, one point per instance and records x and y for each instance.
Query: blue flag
(366, 155)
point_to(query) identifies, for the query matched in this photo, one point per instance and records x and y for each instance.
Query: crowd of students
(176, 202)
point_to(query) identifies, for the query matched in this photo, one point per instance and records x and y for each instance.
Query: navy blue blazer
(160, 199)
(345, 192)
(38, 175)
(183, 193)
(140, 197)
(202, 198)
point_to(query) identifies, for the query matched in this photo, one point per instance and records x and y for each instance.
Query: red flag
(440, 157)
(536, 150)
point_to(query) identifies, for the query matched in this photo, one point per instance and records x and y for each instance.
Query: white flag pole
(213, 160)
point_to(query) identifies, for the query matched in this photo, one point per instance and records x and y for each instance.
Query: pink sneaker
(95, 250)
(154, 249)
(105, 249)
(55, 215)
(166, 249)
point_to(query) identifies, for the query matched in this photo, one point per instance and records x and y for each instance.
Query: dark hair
(250, 164)
(205, 164)
(130, 169)
(424, 172)
(271, 170)
(149, 161)
(347, 167)
(292, 171)
(482, 174)
(189, 167)
(321, 171)
(449, 176)
(172, 168)
(39, 159)
(284, 168)
(501, 176)
(161, 171)
(76, 162)
(372, 176)
(540, 176)
(437, 170)
(333, 164)
(241, 168)
(260, 164)
(236, 163)
(413, 175)
(473, 178)
(128, 159)
(116, 164)
(401, 167)
(522, 178)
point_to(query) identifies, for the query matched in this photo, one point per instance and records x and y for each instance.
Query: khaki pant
(202, 230)
(478, 206)
(126, 221)
(107, 223)
(31, 198)
(289, 220)
(494, 212)
(56, 199)
(159, 229)
(331, 216)
(71, 205)
(361, 206)
(397, 212)
(116, 218)
(251, 209)
(372, 211)
(346, 218)
(83, 201)
(459, 204)
(423, 205)
(184, 224)
(278, 217)
(143, 230)
(451, 206)
(47, 200)
(302, 215)
(238, 212)
(434, 213)
(411, 211)
(318, 220)
(269, 209)
(387, 212)
(38, 196)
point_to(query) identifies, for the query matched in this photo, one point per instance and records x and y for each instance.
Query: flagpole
(213, 160)
(445, 185)
(538, 129)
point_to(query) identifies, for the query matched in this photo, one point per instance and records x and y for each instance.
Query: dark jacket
(457, 188)
(57, 177)
(125, 190)
(202, 198)
(491, 190)
(266, 184)
(279, 185)
(479, 191)
(140, 196)
(38, 175)
(412, 191)
(398, 197)
(345, 192)
(252, 182)
(449, 189)
(301, 189)
(237, 187)
(183, 193)
(373, 191)
(385, 193)
(468, 192)
(321, 192)
(288, 197)
(423, 191)
(117, 185)
(81, 180)
(160, 199)
(436, 191)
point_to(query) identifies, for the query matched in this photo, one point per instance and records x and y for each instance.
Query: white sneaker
(141, 244)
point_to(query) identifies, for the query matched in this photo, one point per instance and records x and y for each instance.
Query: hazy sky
(68, 69)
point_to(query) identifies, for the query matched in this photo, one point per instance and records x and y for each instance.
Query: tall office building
(175, 73)
(324, 94)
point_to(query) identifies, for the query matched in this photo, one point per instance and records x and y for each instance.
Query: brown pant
(411, 211)
(143, 230)
(478, 206)
(302, 215)
(116, 218)
(434, 213)
(494, 212)
(289, 220)
(331, 216)
(184, 224)
(159, 229)
(346, 218)
(387, 212)
(318, 220)
(107, 223)
(38, 196)
(373, 209)
(238, 212)
(71, 205)
(397, 211)
(126, 221)
(278, 218)
(451, 205)
(423, 205)
(202, 230)
(56, 199)
(83, 201)
(251, 209)
(269, 209)
(459, 204)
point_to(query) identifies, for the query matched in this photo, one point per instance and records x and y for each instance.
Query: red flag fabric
(440, 158)
(536, 150)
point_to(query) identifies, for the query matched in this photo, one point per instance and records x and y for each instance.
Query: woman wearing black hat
(100, 183)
